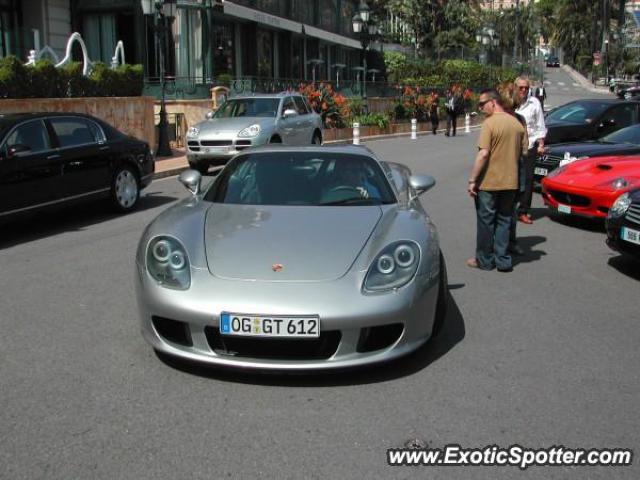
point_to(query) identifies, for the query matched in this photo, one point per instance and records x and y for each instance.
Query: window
(189, 36)
(288, 105)
(300, 106)
(622, 116)
(72, 132)
(31, 134)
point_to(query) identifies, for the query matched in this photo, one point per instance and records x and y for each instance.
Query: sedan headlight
(620, 206)
(168, 263)
(193, 132)
(394, 267)
(250, 131)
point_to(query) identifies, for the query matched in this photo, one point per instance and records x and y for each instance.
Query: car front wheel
(443, 299)
(125, 189)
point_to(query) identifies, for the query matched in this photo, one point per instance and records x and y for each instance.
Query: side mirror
(421, 183)
(209, 115)
(289, 112)
(191, 180)
(17, 149)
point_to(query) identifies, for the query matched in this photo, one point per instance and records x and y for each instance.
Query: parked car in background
(628, 91)
(49, 159)
(294, 258)
(553, 61)
(248, 121)
(590, 119)
(622, 142)
(589, 187)
(623, 224)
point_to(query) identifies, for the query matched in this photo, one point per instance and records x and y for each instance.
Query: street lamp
(486, 37)
(606, 61)
(162, 9)
(364, 26)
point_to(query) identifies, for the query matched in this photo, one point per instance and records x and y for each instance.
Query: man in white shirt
(531, 110)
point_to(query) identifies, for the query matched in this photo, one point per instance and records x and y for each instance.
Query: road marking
(561, 84)
(576, 84)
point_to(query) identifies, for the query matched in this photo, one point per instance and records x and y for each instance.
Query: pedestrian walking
(454, 104)
(541, 94)
(494, 181)
(530, 109)
(434, 106)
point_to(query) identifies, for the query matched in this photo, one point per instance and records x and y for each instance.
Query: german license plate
(564, 208)
(269, 326)
(630, 235)
(540, 171)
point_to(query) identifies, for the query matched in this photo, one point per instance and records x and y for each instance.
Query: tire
(443, 299)
(317, 139)
(202, 168)
(275, 139)
(125, 189)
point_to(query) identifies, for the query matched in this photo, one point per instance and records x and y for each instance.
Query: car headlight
(619, 183)
(193, 132)
(250, 131)
(620, 206)
(394, 267)
(168, 263)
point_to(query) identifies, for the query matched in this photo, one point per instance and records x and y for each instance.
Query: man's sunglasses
(523, 87)
(482, 104)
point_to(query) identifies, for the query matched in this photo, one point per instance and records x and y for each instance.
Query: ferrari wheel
(443, 299)
(125, 190)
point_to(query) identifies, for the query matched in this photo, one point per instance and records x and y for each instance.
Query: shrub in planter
(332, 106)
(380, 120)
(13, 78)
(44, 80)
(74, 84)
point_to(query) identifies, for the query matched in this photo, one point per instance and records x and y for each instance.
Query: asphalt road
(546, 355)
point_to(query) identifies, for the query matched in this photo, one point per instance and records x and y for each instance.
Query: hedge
(44, 80)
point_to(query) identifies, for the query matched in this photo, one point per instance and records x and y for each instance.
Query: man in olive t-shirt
(494, 181)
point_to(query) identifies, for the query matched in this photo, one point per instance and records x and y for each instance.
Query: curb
(178, 170)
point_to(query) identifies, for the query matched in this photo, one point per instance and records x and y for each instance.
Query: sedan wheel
(316, 139)
(125, 190)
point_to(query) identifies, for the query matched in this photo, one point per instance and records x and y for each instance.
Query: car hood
(234, 125)
(598, 173)
(286, 243)
(592, 149)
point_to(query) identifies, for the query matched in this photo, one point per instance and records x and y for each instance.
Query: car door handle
(75, 164)
(53, 157)
(105, 147)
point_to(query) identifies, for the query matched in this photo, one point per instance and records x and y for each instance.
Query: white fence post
(414, 129)
(356, 133)
(467, 123)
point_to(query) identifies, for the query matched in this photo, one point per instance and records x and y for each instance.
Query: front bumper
(220, 149)
(577, 201)
(614, 236)
(344, 311)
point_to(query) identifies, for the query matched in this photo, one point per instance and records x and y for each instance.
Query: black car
(48, 159)
(623, 224)
(628, 92)
(553, 62)
(622, 142)
(589, 119)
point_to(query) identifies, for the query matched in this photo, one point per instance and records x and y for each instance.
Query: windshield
(248, 107)
(577, 112)
(625, 135)
(302, 178)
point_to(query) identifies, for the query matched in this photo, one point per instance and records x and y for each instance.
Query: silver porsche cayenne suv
(247, 121)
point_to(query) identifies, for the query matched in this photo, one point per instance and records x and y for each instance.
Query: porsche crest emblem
(276, 267)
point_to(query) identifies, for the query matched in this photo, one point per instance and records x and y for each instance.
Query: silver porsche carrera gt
(294, 258)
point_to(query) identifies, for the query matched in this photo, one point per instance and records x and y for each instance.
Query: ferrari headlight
(168, 264)
(250, 131)
(620, 206)
(619, 183)
(394, 267)
(193, 132)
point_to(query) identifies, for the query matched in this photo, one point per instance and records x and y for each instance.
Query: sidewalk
(584, 82)
(177, 163)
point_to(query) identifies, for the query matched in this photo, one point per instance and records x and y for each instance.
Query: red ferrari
(589, 187)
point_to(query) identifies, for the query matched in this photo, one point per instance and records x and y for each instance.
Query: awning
(241, 11)
(331, 37)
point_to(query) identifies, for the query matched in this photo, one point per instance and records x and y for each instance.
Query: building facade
(203, 42)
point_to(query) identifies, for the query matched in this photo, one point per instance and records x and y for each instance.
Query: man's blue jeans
(494, 211)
